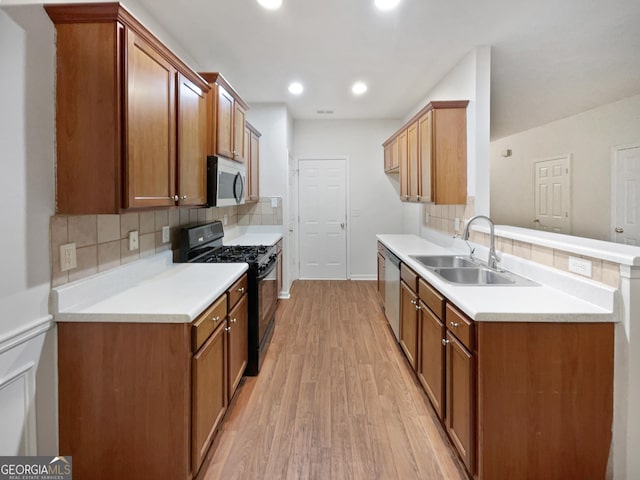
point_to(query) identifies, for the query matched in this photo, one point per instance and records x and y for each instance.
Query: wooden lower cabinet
(409, 323)
(209, 398)
(430, 365)
(460, 393)
(238, 347)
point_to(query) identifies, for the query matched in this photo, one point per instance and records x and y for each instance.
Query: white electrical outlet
(580, 266)
(165, 234)
(456, 224)
(224, 219)
(274, 202)
(133, 240)
(67, 257)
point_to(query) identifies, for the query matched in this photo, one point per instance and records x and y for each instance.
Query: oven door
(267, 301)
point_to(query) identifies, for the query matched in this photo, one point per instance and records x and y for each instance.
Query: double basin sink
(463, 270)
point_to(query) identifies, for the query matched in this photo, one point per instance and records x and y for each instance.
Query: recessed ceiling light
(387, 4)
(359, 88)
(271, 4)
(296, 88)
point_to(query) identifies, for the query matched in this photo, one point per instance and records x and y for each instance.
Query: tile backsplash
(102, 240)
(442, 217)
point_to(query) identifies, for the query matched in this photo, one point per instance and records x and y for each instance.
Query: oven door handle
(238, 192)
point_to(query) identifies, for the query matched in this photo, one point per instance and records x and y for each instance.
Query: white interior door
(553, 195)
(626, 195)
(322, 219)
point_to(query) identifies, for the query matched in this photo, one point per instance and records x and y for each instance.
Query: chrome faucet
(492, 261)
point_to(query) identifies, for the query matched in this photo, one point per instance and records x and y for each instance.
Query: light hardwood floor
(335, 399)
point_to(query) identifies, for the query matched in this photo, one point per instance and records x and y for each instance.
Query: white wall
(27, 354)
(588, 137)
(374, 196)
(469, 80)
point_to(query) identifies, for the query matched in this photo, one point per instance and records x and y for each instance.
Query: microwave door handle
(238, 194)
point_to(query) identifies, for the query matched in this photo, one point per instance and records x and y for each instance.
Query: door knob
(342, 225)
(619, 230)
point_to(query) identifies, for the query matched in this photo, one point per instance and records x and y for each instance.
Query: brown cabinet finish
(208, 321)
(192, 142)
(459, 325)
(236, 291)
(430, 365)
(409, 323)
(403, 165)
(413, 171)
(545, 400)
(209, 397)
(431, 298)
(237, 330)
(225, 119)
(391, 155)
(460, 395)
(252, 152)
(409, 277)
(425, 131)
(125, 394)
(116, 116)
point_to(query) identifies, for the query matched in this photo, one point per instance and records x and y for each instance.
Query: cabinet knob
(241, 290)
(445, 341)
(233, 320)
(184, 197)
(418, 307)
(454, 324)
(227, 329)
(176, 198)
(215, 319)
(413, 302)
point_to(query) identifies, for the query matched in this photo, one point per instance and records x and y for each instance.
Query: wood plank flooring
(335, 399)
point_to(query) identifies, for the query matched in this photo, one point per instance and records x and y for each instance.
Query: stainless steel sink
(474, 276)
(448, 261)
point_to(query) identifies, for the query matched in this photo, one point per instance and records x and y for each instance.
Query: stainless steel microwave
(226, 181)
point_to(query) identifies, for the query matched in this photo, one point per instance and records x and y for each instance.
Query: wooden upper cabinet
(431, 151)
(150, 126)
(117, 119)
(192, 142)
(391, 155)
(225, 119)
(252, 152)
(404, 167)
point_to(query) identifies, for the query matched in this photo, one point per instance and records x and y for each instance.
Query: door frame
(614, 180)
(569, 158)
(347, 206)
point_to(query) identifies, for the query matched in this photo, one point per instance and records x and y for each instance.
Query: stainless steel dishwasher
(392, 290)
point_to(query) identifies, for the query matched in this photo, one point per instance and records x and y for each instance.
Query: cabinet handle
(445, 341)
(215, 319)
(413, 302)
(454, 324)
(241, 290)
(233, 320)
(227, 329)
(418, 307)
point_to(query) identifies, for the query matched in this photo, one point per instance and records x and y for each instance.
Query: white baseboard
(363, 277)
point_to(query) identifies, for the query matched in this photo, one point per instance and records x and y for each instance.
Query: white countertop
(267, 239)
(540, 303)
(152, 290)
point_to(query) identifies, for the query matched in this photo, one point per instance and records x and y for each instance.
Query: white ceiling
(550, 58)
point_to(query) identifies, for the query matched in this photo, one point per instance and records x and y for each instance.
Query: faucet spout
(492, 261)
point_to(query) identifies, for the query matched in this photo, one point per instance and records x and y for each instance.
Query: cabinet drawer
(409, 276)
(431, 298)
(460, 326)
(380, 249)
(207, 322)
(236, 291)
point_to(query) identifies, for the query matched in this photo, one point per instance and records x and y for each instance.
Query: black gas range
(203, 244)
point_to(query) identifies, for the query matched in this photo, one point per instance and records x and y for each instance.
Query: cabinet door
(413, 170)
(247, 150)
(459, 414)
(254, 168)
(224, 123)
(239, 153)
(209, 393)
(409, 323)
(387, 157)
(279, 274)
(238, 343)
(404, 167)
(431, 357)
(150, 127)
(424, 156)
(395, 158)
(381, 274)
(192, 143)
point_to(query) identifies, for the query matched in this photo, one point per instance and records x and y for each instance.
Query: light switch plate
(165, 234)
(67, 257)
(580, 266)
(133, 240)
(274, 202)
(224, 219)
